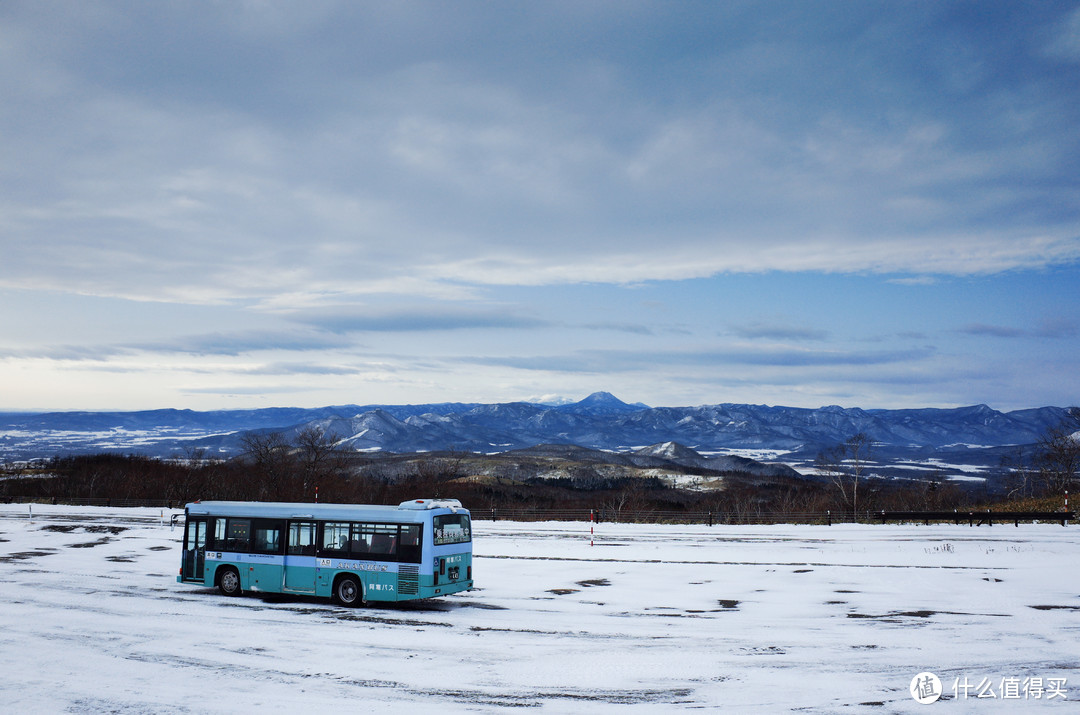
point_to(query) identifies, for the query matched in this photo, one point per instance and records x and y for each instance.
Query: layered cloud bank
(198, 197)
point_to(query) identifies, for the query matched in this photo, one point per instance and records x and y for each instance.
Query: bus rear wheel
(229, 582)
(349, 592)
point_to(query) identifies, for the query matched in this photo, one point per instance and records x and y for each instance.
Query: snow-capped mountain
(600, 421)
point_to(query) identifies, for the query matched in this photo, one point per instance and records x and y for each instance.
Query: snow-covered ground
(651, 618)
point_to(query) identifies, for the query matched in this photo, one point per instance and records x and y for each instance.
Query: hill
(957, 442)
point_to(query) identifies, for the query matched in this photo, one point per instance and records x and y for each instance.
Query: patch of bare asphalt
(346, 615)
(484, 606)
(23, 555)
(761, 650)
(88, 528)
(588, 583)
(90, 544)
(894, 616)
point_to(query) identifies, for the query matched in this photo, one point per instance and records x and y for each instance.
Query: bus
(349, 553)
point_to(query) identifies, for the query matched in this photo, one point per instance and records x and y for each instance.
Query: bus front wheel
(349, 592)
(229, 582)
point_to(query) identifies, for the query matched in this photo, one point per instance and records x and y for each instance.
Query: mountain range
(964, 437)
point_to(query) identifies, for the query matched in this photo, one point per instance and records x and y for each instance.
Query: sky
(212, 205)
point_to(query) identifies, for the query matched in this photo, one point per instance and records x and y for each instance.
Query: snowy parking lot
(649, 618)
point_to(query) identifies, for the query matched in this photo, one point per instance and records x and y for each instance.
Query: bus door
(300, 558)
(195, 549)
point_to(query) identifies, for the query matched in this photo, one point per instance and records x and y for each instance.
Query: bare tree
(433, 472)
(629, 497)
(1058, 457)
(1020, 479)
(271, 457)
(320, 457)
(845, 467)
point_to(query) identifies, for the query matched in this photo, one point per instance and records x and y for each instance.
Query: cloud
(307, 368)
(778, 332)
(1064, 41)
(246, 390)
(280, 189)
(550, 399)
(433, 318)
(994, 331)
(240, 342)
(600, 361)
(72, 353)
(1052, 329)
(632, 328)
(218, 343)
(915, 280)
(398, 154)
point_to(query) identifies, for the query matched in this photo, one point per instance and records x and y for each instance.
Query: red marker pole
(592, 525)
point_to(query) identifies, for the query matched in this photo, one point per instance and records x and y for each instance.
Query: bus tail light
(442, 567)
(468, 573)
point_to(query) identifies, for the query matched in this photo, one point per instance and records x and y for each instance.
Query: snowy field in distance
(812, 619)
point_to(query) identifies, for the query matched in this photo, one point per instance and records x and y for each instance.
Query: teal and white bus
(349, 553)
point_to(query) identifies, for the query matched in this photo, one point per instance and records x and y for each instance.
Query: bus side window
(382, 544)
(302, 538)
(267, 537)
(409, 550)
(219, 535)
(216, 539)
(335, 537)
(238, 535)
(360, 543)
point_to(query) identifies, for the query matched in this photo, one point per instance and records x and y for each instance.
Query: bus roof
(408, 511)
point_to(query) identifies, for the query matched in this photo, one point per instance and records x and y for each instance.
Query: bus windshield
(452, 529)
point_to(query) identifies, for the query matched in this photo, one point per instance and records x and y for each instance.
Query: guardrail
(156, 503)
(978, 518)
(661, 516)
